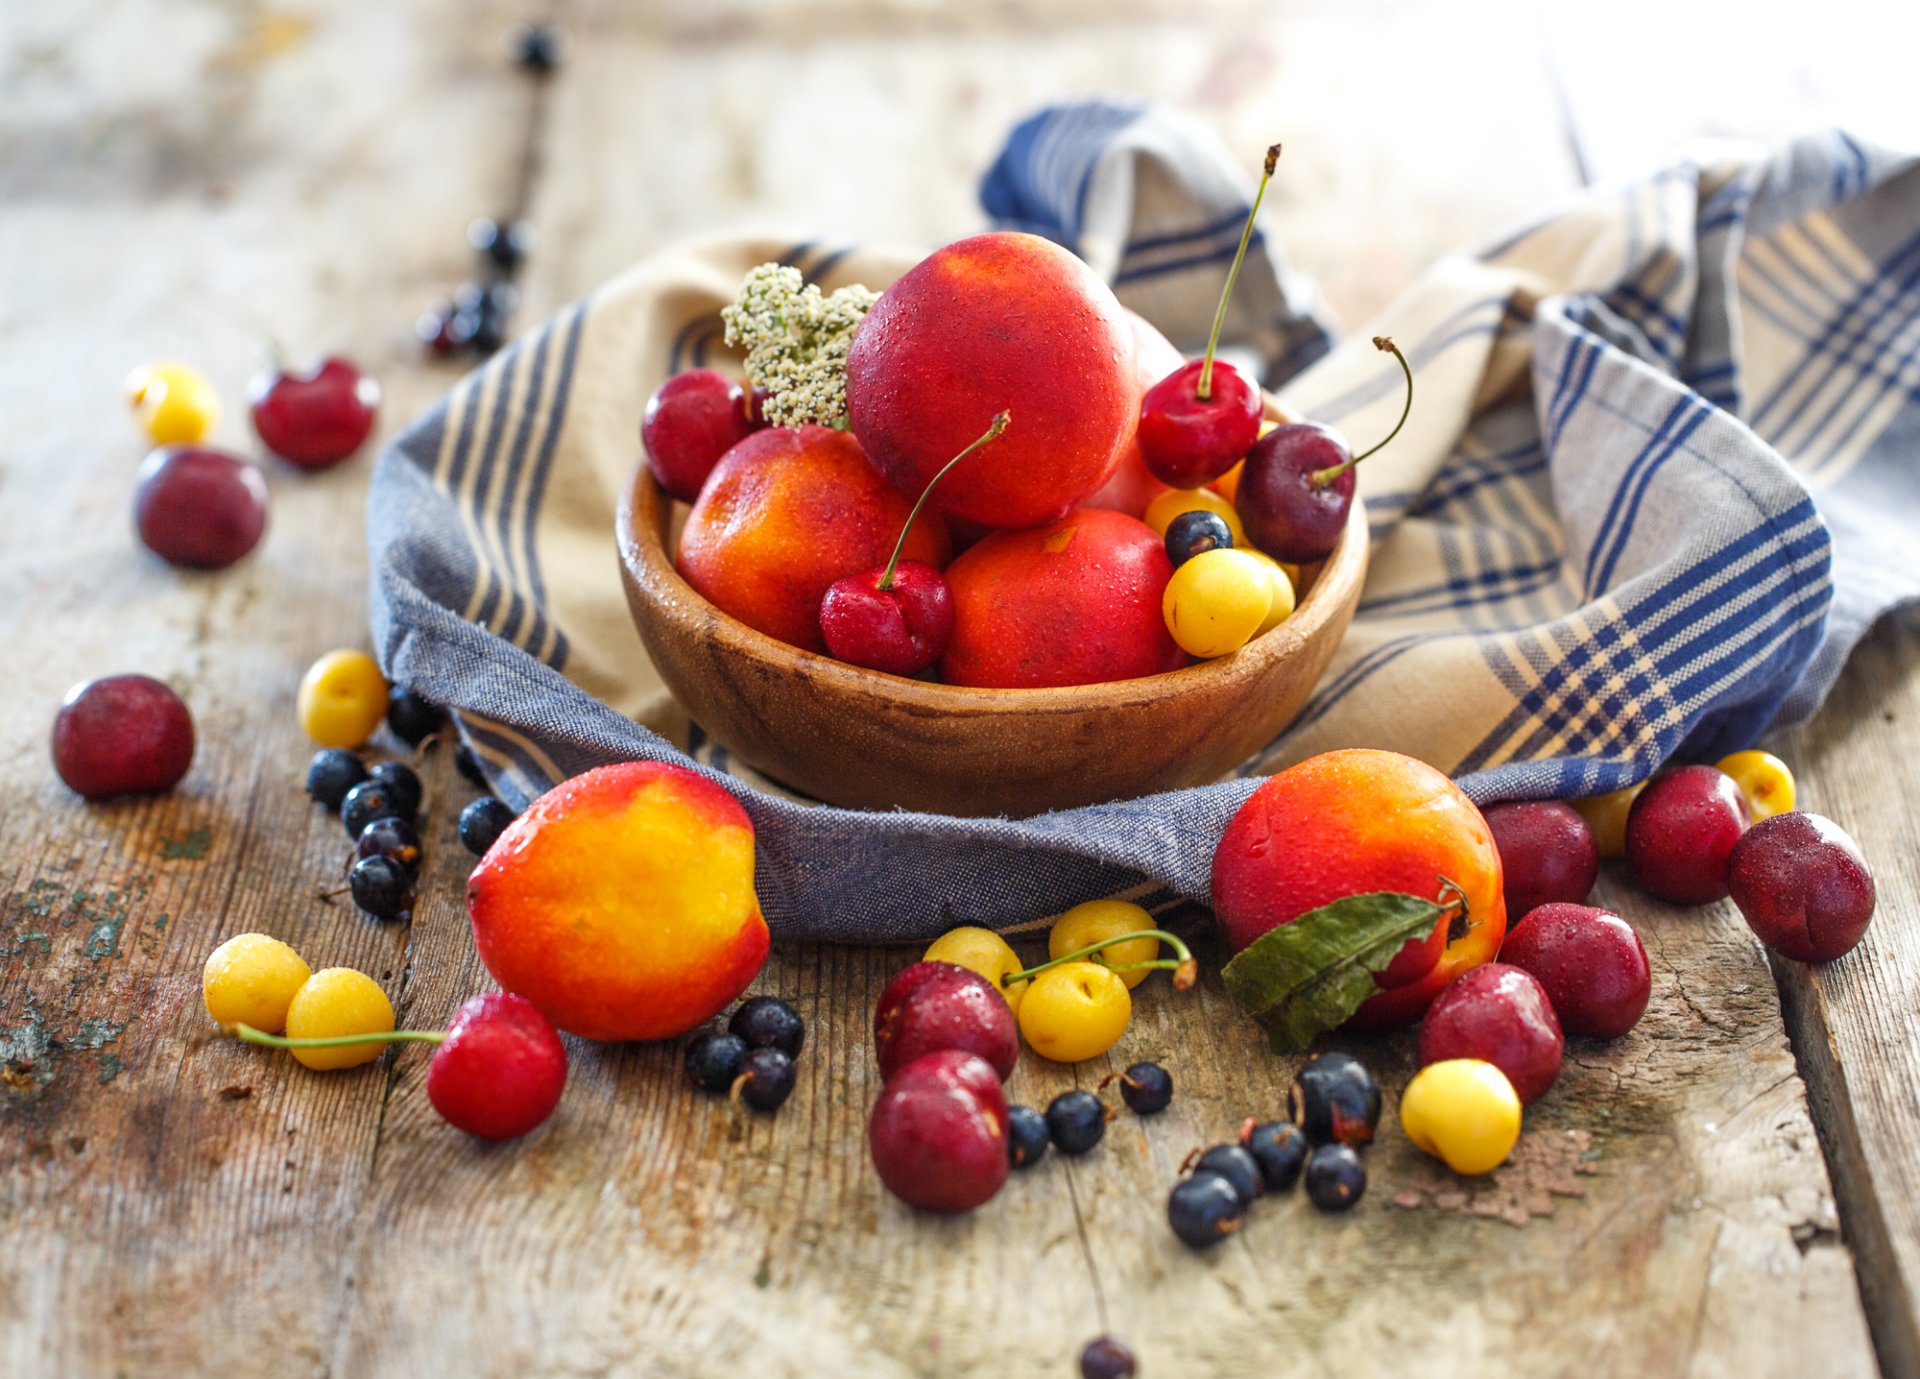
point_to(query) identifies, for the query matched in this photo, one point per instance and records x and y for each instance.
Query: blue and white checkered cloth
(1659, 479)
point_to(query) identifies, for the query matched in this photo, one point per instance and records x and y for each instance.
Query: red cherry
(940, 1005)
(1198, 421)
(315, 417)
(122, 735)
(938, 1134)
(1681, 832)
(1590, 961)
(200, 509)
(500, 1070)
(1188, 440)
(1499, 1013)
(897, 618)
(901, 629)
(691, 421)
(757, 409)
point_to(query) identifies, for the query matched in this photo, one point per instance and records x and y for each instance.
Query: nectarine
(1132, 486)
(621, 903)
(1350, 822)
(1075, 602)
(786, 513)
(996, 322)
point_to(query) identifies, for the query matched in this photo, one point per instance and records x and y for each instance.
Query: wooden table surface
(1731, 1190)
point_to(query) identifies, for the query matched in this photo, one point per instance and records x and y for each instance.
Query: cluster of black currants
(751, 1058)
(1332, 1109)
(1076, 1121)
(379, 806)
(476, 320)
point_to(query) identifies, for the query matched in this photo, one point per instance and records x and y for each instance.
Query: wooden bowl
(868, 740)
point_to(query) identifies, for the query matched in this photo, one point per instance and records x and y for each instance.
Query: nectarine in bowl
(868, 740)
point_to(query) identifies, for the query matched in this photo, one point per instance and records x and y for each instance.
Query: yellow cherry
(1464, 1112)
(1764, 779)
(1283, 578)
(1169, 505)
(982, 951)
(1606, 815)
(342, 699)
(1217, 601)
(1075, 1011)
(335, 1002)
(1096, 920)
(251, 979)
(173, 402)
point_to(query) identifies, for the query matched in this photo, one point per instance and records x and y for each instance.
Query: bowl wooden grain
(867, 740)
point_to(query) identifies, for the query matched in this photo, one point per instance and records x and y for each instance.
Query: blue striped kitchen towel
(1656, 485)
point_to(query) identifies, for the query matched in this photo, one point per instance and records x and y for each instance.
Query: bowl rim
(640, 531)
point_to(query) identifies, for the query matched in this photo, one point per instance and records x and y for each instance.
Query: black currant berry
(394, 839)
(1279, 1148)
(482, 821)
(1147, 1088)
(332, 772)
(434, 329)
(767, 1022)
(713, 1059)
(381, 887)
(1204, 1210)
(1027, 1136)
(413, 717)
(1075, 1121)
(1236, 1165)
(766, 1079)
(504, 242)
(1335, 1100)
(367, 801)
(1193, 532)
(403, 785)
(1335, 1177)
(537, 48)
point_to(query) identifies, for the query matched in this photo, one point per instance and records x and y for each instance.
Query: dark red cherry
(901, 629)
(199, 509)
(313, 418)
(1188, 440)
(1286, 513)
(691, 421)
(1297, 487)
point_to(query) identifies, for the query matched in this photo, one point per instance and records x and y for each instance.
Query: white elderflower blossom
(796, 341)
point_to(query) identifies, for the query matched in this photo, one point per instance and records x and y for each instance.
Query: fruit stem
(340, 1041)
(1185, 969)
(992, 433)
(1204, 389)
(1322, 477)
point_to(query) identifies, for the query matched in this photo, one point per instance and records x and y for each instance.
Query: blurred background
(219, 160)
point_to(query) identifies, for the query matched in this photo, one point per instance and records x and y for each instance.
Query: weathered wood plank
(177, 181)
(1853, 1021)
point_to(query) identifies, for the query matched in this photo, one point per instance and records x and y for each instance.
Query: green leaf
(1298, 980)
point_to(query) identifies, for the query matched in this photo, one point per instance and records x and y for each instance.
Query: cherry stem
(992, 433)
(1183, 966)
(1322, 477)
(341, 1041)
(1204, 389)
